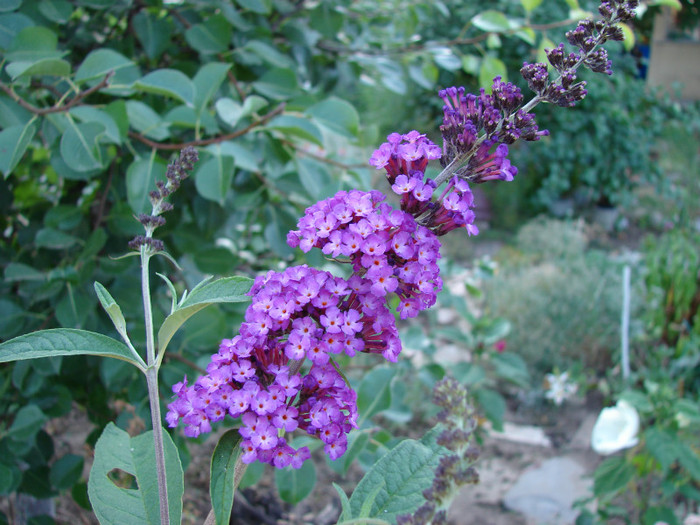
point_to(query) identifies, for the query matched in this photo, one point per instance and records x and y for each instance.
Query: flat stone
(546, 493)
(582, 438)
(525, 434)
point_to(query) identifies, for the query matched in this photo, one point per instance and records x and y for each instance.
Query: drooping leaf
(141, 179)
(224, 290)
(13, 143)
(117, 451)
(64, 341)
(221, 479)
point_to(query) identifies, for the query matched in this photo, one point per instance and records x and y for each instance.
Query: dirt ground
(500, 464)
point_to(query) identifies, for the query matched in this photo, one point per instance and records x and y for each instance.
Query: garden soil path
(538, 465)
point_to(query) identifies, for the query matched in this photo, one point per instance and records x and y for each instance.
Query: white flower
(615, 429)
(560, 388)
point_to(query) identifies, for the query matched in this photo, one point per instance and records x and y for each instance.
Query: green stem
(152, 381)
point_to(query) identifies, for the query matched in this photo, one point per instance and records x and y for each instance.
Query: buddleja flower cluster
(303, 315)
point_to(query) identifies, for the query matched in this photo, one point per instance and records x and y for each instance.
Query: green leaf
(10, 25)
(168, 82)
(492, 21)
(612, 476)
(530, 5)
(293, 485)
(491, 67)
(278, 84)
(101, 61)
(229, 111)
(64, 341)
(315, 178)
(15, 272)
(213, 178)
(141, 179)
(13, 143)
(223, 469)
(628, 33)
(262, 7)
(357, 441)
(268, 53)
(92, 114)
(112, 309)
(58, 11)
(55, 67)
(511, 367)
(207, 82)
(337, 115)
(154, 32)
(663, 445)
(115, 450)
(9, 5)
(344, 503)
(224, 290)
(374, 393)
(297, 127)
(690, 460)
(493, 405)
(28, 421)
(403, 474)
(33, 44)
(210, 37)
(80, 146)
(146, 121)
(676, 5)
(66, 471)
(53, 239)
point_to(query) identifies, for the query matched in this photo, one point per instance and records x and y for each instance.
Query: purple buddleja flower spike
(305, 314)
(177, 171)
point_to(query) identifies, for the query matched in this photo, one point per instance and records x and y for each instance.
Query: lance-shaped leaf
(66, 341)
(112, 309)
(222, 481)
(118, 453)
(225, 290)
